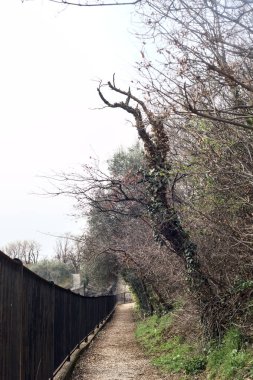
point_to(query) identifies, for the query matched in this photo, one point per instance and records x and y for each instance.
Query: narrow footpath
(114, 354)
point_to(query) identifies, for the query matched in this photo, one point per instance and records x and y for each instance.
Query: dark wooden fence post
(19, 301)
(10, 318)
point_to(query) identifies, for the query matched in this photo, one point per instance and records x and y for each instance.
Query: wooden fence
(41, 324)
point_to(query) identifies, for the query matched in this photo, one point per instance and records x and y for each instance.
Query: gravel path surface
(114, 354)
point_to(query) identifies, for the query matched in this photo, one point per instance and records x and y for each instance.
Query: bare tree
(69, 250)
(129, 238)
(202, 64)
(95, 3)
(63, 248)
(26, 250)
(160, 180)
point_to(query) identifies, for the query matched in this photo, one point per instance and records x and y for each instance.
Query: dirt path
(114, 354)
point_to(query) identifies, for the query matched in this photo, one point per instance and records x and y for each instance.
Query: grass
(230, 360)
(150, 332)
(173, 354)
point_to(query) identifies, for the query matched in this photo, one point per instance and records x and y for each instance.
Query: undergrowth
(171, 355)
(229, 360)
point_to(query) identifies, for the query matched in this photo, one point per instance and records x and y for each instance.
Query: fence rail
(41, 324)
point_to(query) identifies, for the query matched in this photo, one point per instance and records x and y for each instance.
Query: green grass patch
(180, 357)
(173, 354)
(229, 360)
(150, 332)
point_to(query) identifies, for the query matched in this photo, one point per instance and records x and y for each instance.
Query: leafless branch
(94, 4)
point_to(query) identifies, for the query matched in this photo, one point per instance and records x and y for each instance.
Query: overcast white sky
(48, 62)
